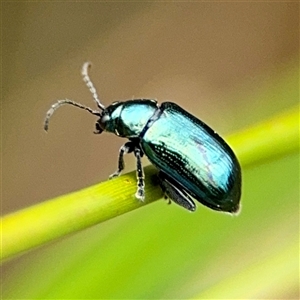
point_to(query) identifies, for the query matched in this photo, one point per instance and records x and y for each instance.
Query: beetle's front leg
(140, 193)
(126, 148)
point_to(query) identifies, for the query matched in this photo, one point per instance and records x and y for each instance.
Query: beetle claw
(140, 194)
(116, 174)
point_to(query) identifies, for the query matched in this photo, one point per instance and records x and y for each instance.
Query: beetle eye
(102, 123)
(98, 128)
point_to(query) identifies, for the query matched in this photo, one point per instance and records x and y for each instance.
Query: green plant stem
(268, 140)
(49, 220)
(41, 223)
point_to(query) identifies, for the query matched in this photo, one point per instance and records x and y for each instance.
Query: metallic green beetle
(192, 159)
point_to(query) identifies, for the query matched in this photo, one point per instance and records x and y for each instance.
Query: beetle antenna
(90, 85)
(59, 103)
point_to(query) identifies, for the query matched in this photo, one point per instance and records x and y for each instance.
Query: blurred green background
(231, 64)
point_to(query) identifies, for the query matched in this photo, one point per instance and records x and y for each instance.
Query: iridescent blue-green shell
(194, 156)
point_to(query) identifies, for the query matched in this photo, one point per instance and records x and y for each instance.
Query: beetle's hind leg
(126, 148)
(175, 193)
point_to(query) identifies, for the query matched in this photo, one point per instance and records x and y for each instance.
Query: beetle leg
(126, 148)
(140, 193)
(175, 193)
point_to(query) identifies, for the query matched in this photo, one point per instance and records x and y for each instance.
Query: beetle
(194, 162)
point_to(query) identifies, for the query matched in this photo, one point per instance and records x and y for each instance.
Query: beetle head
(110, 118)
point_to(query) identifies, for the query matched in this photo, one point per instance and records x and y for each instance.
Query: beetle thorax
(129, 118)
